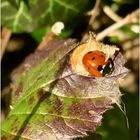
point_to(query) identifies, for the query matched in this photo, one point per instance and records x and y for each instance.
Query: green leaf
(124, 1)
(114, 126)
(114, 39)
(12, 16)
(39, 33)
(129, 30)
(51, 101)
(43, 67)
(26, 16)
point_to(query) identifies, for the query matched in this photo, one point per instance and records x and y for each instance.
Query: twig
(94, 12)
(5, 36)
(55, 30)
(110, 13)
(130, 18)
(45, 40)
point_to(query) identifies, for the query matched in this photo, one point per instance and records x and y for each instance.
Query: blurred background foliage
(30, 21)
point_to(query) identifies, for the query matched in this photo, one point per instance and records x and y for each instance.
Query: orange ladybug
(95, 63)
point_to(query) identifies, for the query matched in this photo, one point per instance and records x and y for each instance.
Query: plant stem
(55, 31)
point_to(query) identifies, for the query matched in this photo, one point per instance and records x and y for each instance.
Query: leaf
(26, 16)
(52, 102)
(114, 121)
(124, 1)
(39, 33)
(129, 30)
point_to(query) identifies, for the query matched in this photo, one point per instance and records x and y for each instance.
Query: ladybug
(96, 64)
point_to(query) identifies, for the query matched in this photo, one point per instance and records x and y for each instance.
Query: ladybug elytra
(96, 64)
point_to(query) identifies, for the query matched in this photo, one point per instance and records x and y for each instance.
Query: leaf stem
(55, 31)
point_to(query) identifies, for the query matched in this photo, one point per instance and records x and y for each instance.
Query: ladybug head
(108, 67)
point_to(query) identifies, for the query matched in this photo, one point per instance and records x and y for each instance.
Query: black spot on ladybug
(102, 56)
(99, 68)
(88, 68)
(90, 52)
(93, 58)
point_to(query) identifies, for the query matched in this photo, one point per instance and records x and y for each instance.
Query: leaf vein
(66, 5)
